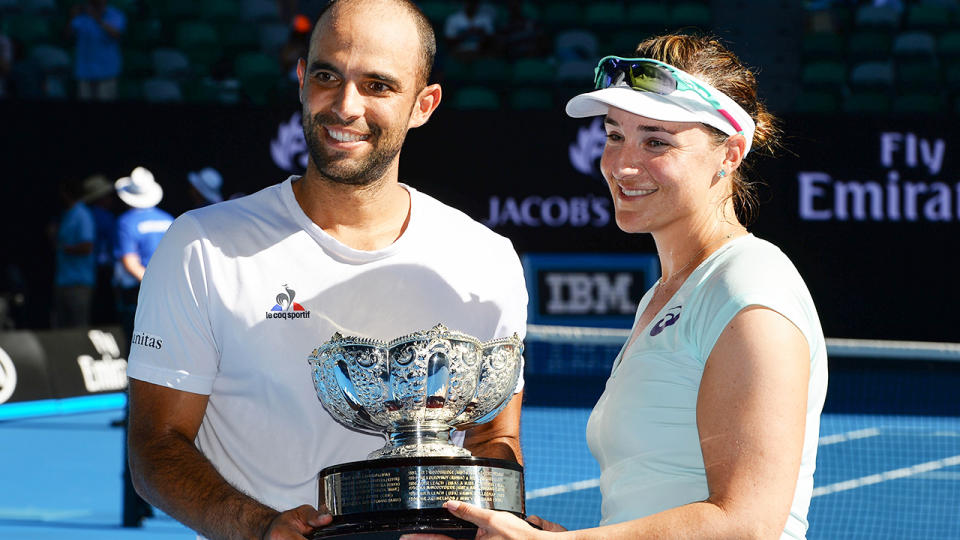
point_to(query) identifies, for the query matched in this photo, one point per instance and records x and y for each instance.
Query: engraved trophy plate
(415, 390)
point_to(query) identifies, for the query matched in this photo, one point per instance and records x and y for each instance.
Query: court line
(848, 436)
(41, 514)
(887, 476)
(595, 482)
(58, 407)
(563, 488)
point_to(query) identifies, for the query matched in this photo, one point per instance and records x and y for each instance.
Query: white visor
(678, 106)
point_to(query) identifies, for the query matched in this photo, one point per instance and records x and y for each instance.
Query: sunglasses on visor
(649, 75)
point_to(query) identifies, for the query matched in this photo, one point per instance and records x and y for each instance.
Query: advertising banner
(23, 368)
(587, 289)
(58, 364)
(82, 362)
(868, 209)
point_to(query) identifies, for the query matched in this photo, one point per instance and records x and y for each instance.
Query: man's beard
(365, 170)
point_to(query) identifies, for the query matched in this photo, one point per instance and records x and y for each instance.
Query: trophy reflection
(416, 390)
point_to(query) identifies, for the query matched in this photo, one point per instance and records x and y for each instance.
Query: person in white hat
(139, 231)
(204, 187)
(708, 425)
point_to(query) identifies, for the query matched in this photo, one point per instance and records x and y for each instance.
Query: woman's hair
(707, 59)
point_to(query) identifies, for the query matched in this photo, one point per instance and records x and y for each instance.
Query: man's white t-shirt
(643, 430)
(238, 294)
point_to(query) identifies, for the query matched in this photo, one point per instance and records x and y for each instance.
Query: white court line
(849, 436)
(887, 476)
(563, 488)
(41, 514)
(823, 490)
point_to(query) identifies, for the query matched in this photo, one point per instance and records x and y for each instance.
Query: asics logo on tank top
(671, 318)
(285, 308)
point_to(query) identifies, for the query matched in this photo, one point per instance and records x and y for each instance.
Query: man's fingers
(319, 520)
(307, 517)
(301, 519)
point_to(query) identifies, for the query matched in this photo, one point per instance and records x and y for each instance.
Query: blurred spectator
(26, 79)
(75, 266)
(895, 4)
(204, 187)
(101, 197)
(296, 46)
(469, 30)
(521, 35)
(139, 231)
(97, 29)
(6, 61)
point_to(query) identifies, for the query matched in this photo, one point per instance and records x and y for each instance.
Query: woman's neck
(682, 248)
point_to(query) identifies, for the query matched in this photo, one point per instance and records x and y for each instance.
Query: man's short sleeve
(85, 226)
(513, 318)
(126, 237)
(173, 343)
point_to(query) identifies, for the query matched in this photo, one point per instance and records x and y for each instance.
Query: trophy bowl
(416, 390)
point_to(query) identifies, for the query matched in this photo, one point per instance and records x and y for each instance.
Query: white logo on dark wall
(560, 211)
(107, 373)
(579, 293)
(898, 197)
(588, 147)
(8, 376)
(536, 211)
(289, 148)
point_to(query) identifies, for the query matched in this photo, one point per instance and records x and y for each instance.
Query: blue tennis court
(878, 476)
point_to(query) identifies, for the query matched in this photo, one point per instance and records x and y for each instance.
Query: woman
(709, 423)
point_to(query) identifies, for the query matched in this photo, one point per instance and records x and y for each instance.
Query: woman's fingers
(474, 514)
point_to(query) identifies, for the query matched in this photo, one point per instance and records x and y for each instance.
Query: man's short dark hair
(428, 41)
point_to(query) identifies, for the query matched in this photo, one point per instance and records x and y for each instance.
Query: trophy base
(391, 525)
(384, 498)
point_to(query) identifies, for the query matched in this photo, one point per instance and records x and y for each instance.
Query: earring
(722, 173)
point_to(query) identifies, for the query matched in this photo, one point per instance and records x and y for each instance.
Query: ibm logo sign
(578, 293)
(587, 289)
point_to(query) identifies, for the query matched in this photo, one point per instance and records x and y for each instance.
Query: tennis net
(889, 459)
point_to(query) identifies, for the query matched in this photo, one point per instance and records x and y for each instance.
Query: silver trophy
(416, 390)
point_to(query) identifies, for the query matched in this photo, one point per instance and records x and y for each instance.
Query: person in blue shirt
(139, 231)
(75, 265)
(97, 29)
(101, 197)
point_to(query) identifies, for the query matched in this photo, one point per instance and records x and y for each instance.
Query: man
(97, 29)
(100, 196)
(76, 267)
(138, 233)
(227, 434)
(139, 230)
